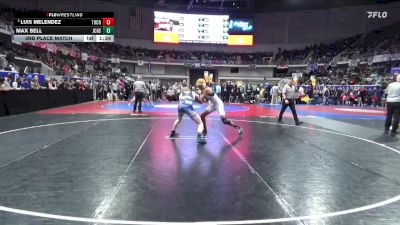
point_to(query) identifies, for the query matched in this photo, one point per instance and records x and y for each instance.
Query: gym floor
(97, 163)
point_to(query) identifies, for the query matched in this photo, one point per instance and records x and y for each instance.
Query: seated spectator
(6, 84)
(2, 84)
(343, 99)
(52, 85)
(352, 99)
(375, 100)
(252, 99)
(16, 85)
(35, 83)
(26, 84)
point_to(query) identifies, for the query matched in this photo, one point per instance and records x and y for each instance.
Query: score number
(108, 26)
(108, 22)
(108, 30)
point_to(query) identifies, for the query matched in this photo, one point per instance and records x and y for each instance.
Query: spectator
(171, 94)
(275, 94)
(53, 84)
(2, 84)
(301, 94)
(326, 94)
(16, 85)
(153, 87)
(26, 84)
(35, 83)
(218, 90)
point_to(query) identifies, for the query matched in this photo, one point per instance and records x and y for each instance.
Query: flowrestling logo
(243, 25)
(380, 15)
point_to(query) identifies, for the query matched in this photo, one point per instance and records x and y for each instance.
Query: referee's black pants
(393, 116)
(292, 108)
(138, 99)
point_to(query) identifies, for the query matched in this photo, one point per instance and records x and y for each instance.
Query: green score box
(108, 30)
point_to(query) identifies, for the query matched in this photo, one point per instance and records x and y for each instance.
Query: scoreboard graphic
(64, 27)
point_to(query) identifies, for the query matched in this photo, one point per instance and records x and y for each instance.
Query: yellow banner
(166, 37)
(240, 40)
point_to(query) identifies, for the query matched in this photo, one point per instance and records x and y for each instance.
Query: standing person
(301, 94)
(175, 88)
(186, 99)
(153, 86)
(229, 87)
(114, 89)
(267, 92)
(103, 90)
(326, 95)
(122, 90)
(242, 90)
(215, 103)
(218, 90)
(249, 91)
(159, 91)
(235, 92)
(139, 88)
(393, 106)
(147, 95)
(288, 99)
(128, 89)
(224, 93)
(274, 94)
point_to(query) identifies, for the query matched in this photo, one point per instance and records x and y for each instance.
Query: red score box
(108, 22)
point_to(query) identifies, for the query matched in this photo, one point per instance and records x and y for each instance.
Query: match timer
(64, 27)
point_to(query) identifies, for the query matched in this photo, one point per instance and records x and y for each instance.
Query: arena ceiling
(247, 5)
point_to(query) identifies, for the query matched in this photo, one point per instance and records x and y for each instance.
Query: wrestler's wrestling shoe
(240, 131)
(201, 139)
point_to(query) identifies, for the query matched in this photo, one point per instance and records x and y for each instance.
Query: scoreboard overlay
(64, 27)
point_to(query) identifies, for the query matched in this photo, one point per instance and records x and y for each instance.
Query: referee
(289, 95)
(139, 88)
(393, 106)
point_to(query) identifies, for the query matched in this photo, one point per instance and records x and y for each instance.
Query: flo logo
(380, 15)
